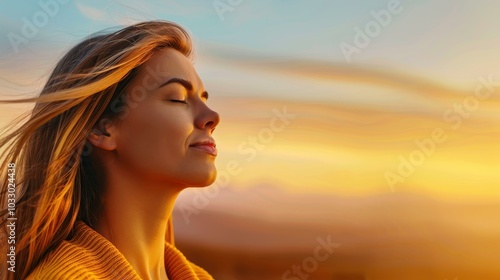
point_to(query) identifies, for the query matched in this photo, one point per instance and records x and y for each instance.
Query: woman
(121, 127)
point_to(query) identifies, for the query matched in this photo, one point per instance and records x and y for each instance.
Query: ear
(101, 137)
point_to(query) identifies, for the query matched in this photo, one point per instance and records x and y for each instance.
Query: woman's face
(165, 133)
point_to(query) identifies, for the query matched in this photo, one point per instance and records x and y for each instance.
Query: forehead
(165, 64)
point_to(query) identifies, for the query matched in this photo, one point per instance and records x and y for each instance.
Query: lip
(207, 145)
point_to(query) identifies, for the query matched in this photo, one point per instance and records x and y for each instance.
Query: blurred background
(358, 138)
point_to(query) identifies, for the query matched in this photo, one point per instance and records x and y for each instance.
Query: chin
(203, 179)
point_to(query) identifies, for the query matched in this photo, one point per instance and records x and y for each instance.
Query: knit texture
(88, 255)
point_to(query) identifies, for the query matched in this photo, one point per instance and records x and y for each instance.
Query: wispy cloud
(372, 75)
(92, 13)
(122, 13)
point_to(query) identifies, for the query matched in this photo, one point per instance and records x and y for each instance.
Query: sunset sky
(354, 121)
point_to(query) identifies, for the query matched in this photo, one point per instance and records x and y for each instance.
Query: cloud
(118, 12)
(374, 75)
(91, 12)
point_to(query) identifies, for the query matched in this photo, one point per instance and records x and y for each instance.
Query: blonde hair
(55, 182)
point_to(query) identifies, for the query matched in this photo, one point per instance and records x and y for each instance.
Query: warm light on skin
(154, 135)
(147, 157)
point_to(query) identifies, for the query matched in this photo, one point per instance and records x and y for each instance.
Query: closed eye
(178, 101)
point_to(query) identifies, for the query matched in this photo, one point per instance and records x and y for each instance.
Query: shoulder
(200, 272)
(178, 267)
(86, 255)
(67, 261)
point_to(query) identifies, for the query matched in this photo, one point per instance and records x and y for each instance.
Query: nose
(207, 119)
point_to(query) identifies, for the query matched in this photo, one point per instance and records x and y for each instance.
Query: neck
(135, 218)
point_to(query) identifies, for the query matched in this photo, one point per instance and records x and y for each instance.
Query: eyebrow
(185, 83)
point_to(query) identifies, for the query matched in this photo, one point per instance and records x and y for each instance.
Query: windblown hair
(54, 181)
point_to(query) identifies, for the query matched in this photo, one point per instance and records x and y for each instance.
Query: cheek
(172, 135)
(157, 138)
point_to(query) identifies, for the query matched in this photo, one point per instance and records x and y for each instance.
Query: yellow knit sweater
(88, 255)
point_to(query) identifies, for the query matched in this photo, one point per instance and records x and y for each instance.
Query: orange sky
(350, 146)
(395, 154)
(355, 123)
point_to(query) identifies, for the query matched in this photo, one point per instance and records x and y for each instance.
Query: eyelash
(178, 101)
